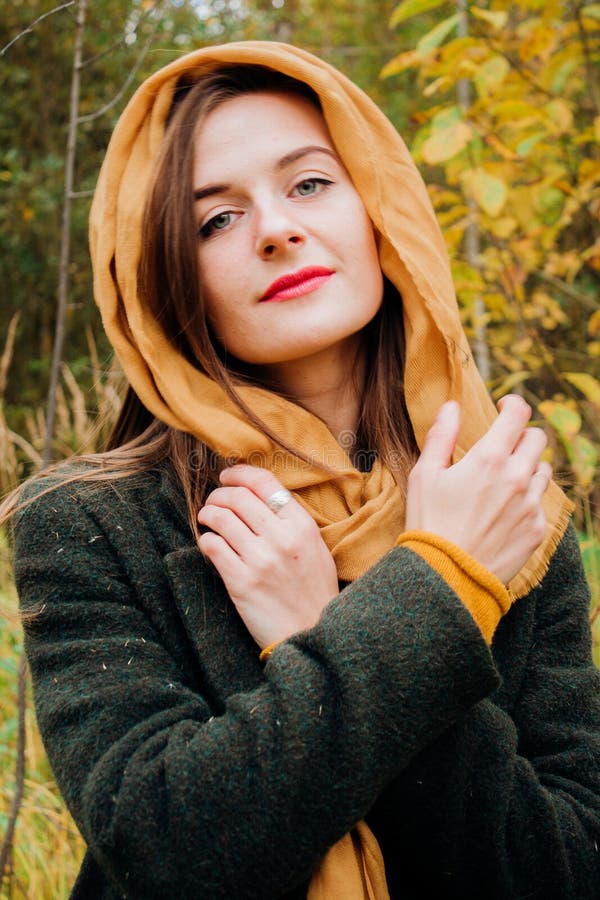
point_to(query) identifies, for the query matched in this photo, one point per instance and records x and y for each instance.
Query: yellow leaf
(510, 383)
(496, 19)
(515, 111)
(467, 276)
(439, 84)
(593, 348)
(445, 143)
(503, 227)
(597, 128)
(409, 8)
(522, 346)
(500, 147)
(437, 35)
(6, 175)
(491, 74)
(401, 63)
(589, 170)
(538, 42)
(587, 384)
(489, 192)
(560, 115)
(594, 324)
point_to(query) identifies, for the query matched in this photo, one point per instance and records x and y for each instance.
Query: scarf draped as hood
(360, 514)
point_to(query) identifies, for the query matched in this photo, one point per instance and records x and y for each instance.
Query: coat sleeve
(506, 803)
(174, 801)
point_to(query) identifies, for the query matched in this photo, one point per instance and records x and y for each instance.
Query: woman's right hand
(490, 502)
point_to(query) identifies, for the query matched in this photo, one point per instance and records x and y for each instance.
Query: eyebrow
(282, 163)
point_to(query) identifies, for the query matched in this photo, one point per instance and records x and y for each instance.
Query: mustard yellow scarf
(360, 514)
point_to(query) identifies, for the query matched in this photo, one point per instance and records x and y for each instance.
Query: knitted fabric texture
(482, 593)
(360, 514)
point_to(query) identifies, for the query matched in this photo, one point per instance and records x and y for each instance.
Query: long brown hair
(169, 284)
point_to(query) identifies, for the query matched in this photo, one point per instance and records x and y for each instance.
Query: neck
(328, 384)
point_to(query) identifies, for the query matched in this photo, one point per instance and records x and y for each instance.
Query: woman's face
(287, 256)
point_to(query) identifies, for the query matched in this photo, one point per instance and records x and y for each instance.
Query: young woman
(315, 625)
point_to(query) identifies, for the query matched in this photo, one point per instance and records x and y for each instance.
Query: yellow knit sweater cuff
(484, 595)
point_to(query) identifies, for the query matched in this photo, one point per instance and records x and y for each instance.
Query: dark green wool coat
(195, 772)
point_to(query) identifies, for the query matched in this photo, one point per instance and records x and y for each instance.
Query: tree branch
(65, 246)
(108, 106)
(93, 59)
(30, 28)
(567, 290)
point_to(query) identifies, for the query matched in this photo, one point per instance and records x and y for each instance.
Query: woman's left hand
(275, 565)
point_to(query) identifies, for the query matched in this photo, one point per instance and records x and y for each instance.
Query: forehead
(265, 124)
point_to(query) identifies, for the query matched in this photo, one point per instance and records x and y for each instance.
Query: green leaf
(560, 79)
(565, 421)
(549, 205)
(590, 552)
(525, 147)
(410, 8)
(587, 384)
(446, 117)
(583, 457)
(592, 11)
(490, 193)
(437, 35)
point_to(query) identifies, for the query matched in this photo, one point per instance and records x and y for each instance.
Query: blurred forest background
(500, 104)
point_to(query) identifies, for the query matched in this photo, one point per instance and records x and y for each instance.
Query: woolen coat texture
(193, 771)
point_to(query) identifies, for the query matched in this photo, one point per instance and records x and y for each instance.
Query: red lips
(297, 283)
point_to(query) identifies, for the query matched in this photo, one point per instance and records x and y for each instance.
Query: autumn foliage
(504, 107)
(510, 145)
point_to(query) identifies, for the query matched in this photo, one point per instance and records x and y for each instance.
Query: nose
(277, 233)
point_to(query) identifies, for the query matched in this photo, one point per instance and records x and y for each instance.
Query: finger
(225, 560)
(506, 430)
(244, 503)
(263, 483)
(441, 438)
(229, 526)
(530, 447)
(540, 480)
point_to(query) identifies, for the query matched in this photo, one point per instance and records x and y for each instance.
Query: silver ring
(278, 500)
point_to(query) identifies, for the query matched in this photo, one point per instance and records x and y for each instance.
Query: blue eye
(309, 186)
(217, 223)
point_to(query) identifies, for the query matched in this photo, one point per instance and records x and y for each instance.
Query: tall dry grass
(46, 848)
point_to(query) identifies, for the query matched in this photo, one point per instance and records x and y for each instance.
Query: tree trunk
(65, 247)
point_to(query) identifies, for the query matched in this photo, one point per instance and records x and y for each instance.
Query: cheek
(216, 282)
